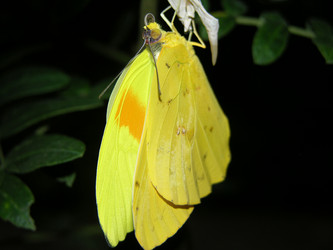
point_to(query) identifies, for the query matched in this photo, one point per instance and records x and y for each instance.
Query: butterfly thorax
(182, 49)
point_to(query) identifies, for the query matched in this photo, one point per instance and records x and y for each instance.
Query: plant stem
(301, 32)
(249, 21)
(257, 22)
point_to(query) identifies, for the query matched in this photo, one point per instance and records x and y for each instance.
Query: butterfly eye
(151, 36)
(155, 35)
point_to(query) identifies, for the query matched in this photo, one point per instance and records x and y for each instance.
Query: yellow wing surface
(159, 156)
(119, 148)
(155, 218)
(184, 147)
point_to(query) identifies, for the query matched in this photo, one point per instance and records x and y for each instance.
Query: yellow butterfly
(165, 143)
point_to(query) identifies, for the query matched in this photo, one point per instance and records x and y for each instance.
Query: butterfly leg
(169, 23)
(201, 44)
(165, 18)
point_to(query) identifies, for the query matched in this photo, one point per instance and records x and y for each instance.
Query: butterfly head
(152, 31)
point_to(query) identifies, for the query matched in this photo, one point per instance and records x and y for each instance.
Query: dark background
(278, 192)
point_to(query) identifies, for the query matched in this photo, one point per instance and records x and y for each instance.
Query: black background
(278, 192)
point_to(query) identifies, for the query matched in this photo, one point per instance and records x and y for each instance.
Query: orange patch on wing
(131, 114)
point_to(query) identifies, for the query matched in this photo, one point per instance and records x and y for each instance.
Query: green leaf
(43, 151)
(15, 201)
(79, 87)
(17, 118)
(68, 180)
(30, 81)
(323, 38)
(234, 7)
(270, 40)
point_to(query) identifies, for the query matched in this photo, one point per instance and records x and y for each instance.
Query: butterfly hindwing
(169, 148)
(180, 168)
(212, 129)
(155, 218)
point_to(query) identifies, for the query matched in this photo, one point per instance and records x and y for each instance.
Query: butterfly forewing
(119, 148)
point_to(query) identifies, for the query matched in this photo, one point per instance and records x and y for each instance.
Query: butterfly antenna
(130, 61)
